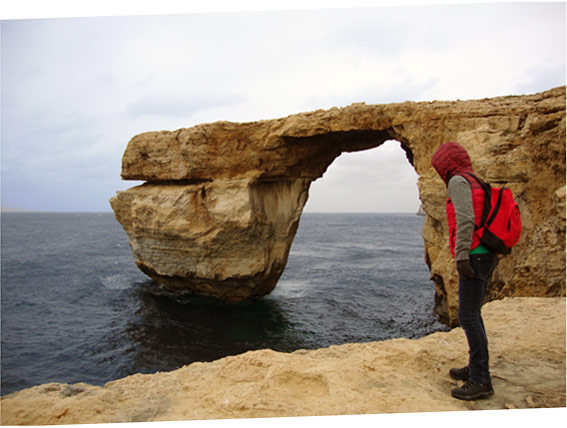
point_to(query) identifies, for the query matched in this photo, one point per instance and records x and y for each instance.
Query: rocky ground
(527, 344)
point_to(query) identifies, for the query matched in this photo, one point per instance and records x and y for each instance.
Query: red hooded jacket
(449, 160)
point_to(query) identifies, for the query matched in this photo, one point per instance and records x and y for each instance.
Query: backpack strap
(496, 207)
(487, 197)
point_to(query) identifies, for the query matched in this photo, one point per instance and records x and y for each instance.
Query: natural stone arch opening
(317, 152)
(371, 174)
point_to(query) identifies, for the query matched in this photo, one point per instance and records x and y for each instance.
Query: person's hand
(465, 270)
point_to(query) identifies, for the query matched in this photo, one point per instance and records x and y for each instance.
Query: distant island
(11, 210)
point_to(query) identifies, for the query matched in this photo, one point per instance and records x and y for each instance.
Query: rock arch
(222, 201)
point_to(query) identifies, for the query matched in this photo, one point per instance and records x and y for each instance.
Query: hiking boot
(460, 374)
(473, 391)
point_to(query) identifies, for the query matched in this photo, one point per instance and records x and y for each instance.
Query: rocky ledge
(222, 201)
(527, 346)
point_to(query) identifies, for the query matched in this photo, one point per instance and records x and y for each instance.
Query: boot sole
(477, 396)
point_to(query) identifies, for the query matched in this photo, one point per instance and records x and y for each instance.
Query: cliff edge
(222, 201)
(527, 350)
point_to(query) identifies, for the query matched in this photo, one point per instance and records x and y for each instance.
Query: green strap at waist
(481, 249)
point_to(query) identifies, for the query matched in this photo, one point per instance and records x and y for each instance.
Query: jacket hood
(451, 159)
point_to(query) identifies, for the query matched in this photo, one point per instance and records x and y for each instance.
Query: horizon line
(20, 211)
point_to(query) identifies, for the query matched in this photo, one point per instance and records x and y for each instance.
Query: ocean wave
(116, 282)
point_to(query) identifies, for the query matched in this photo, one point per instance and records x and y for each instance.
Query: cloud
(74, 91)
(397, 87)
(377, 180)
(541, 77)
(178, 105)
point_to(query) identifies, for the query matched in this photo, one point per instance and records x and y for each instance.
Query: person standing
(475, 264)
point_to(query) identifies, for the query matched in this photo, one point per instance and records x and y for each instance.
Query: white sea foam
(116, 282)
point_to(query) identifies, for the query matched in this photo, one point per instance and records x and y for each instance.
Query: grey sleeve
(460, 193)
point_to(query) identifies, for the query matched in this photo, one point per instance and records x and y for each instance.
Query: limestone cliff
(222, 201)
(527, 351)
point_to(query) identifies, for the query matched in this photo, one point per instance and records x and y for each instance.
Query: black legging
(471, 297)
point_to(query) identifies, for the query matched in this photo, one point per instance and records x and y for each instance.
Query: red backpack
(501, 221)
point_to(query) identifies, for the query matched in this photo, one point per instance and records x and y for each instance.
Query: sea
(75, 308)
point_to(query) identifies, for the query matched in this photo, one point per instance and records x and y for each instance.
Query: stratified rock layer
(223, 200)
(527, 354)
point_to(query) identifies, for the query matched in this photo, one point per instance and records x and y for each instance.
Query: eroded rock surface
(222, 201)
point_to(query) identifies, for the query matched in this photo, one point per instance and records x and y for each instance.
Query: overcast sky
(75, 90)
